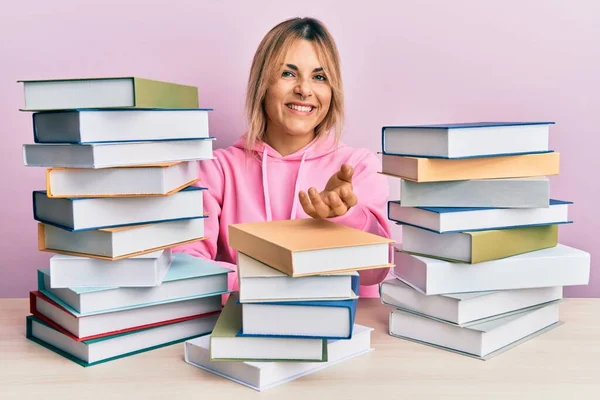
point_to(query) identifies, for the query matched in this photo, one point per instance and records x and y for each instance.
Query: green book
(107, 93)
(226, 345)
(478, 246)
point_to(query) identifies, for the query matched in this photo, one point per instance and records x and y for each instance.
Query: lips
(301, 108)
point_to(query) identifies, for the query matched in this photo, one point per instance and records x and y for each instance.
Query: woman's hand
(335, 200)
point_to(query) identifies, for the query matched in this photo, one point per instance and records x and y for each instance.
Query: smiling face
(299, 96)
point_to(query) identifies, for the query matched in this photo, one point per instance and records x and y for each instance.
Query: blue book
(328, 319)
(469, 219)
(188, 277)
(466, 140)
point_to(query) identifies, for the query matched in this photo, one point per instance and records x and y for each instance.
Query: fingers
(307, 205)
(321, 208)
(345, 173)
(336, 204)
(348, 197)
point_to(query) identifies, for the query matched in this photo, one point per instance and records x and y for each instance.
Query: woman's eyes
(290, 74)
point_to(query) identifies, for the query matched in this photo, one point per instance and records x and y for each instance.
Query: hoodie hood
(317, 148)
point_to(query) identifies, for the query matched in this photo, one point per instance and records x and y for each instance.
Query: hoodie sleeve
(211, 177)
(369, 214)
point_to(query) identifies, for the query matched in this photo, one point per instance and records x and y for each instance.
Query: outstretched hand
(335, 200)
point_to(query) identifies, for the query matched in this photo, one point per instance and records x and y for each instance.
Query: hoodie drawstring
(265, 182)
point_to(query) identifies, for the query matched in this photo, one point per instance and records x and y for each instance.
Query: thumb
(345, 173)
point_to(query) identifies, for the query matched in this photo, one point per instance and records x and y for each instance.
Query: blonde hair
(267, 60)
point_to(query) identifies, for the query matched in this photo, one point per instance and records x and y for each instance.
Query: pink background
(404, 62)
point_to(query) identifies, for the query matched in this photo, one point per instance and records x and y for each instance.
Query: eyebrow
(295, 68)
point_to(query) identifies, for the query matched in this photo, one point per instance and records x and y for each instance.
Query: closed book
(470, 139)
(146, 270)
(79, 214)
(419, 169)
(120, 242)
(533, 192)
(460, 219)
(260, 283)
(188, 277)
(262, 376)
(226, 345)
(464, 309)
(100, 126)
(106, 92)
(100, 325)
(96, 351)
(482, 341)
(478, 246)
(310, 246)
(116, 154)
(145, 180)
(556, 266)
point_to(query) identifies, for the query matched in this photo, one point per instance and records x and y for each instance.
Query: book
(460, 219)
(309, 246)
(80, 214)
(262, 376)
(482, 341)
(96, 351)
(145, 180)
(101, 126)
(188, 277)
(226, 345)
(146, 270)
(556, 266)
(421, 169)
(120, 242)
(106, 92)
(331, 319)
(464, 309)
(472, 139)
(116, 154)
(94, 326)
(533, 192)
(260, 283)
(478, 246)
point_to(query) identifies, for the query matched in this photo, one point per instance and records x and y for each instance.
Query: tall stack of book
(480, 268)
(121, 191)
(295, 309)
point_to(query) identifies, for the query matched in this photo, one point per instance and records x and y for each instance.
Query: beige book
(310, 246)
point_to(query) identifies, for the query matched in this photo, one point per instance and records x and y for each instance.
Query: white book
(115, 154)
(121, 242)
(96, 126)
(92, 352)
(459, 219)
(505, 192)
(464, 309)
(104, 324)
(265, 375)
(79, 214)
(481, 340)
(474, 139)
(260, 283)
(556, 266)
(146, 270)
(147, 180)
(188, 277)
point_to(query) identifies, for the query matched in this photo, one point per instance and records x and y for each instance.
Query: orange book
(419, 169)
(310, 246)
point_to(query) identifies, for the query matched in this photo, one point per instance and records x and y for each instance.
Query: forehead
(303, 54)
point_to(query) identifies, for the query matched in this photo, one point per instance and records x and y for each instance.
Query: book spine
(155, 94)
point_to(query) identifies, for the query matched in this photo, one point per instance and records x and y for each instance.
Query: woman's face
(299, 96)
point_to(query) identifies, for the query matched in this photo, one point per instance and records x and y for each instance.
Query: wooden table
(563, 364)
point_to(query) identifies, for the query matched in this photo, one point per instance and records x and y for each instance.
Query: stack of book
(295, 309)
(480, 268)
(121, 191)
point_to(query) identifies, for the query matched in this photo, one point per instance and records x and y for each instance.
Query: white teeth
(300, 108)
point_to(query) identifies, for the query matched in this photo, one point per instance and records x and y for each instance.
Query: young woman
(290, 163)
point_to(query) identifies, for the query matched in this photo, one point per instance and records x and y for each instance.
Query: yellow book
(419, 169)
(478, 246)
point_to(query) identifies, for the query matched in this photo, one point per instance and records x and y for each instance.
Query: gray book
(531, 192)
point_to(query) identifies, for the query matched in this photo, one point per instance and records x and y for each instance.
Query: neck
(286, 144)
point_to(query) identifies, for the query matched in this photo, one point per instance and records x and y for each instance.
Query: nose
(303, 88)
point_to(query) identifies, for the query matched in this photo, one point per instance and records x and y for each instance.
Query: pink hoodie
(264, 186)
